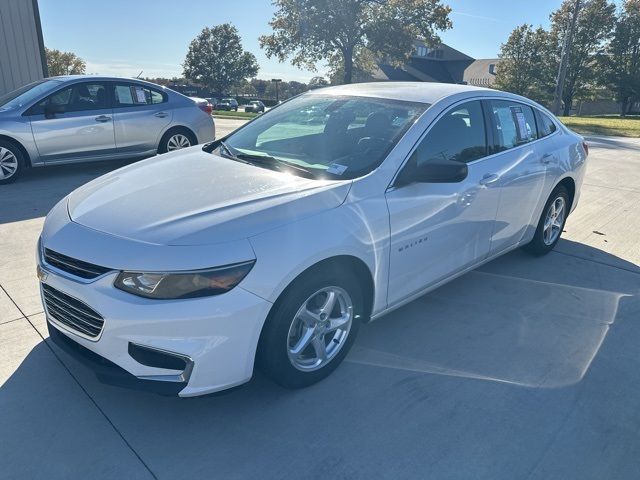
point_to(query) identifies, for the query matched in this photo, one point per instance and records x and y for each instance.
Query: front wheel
(551, 223)
(311, 328)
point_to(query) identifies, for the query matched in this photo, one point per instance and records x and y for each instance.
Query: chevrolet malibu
(272, 246)
(80, 118)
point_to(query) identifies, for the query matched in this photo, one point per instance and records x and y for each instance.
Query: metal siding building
(22, 57)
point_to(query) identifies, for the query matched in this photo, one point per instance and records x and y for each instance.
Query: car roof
(424, 92)
(66, 78)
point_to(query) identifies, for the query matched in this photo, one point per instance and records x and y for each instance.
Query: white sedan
(272, 246)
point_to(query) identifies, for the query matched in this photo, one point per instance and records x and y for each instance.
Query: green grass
(232, 114)
(604, 125)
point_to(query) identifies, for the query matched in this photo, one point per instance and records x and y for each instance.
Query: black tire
(273, 348)
(164, 141)
(12, 162)
(538, 245)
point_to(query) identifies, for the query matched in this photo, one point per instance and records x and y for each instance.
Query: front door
(74, 123)
(438, 229)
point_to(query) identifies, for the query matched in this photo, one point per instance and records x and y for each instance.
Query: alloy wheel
(554, 220)
(178, 141)
(320, 328)
(8, 163)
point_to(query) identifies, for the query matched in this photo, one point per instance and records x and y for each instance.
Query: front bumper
(108, 372)
(218, 335)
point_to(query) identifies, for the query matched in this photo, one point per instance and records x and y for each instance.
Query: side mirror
(50, 110)
(433, 170)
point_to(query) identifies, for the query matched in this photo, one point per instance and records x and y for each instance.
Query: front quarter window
(332, 136)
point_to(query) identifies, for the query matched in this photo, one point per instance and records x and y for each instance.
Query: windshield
(332, 137)
(27, 94)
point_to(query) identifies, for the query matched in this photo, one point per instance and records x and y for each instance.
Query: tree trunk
(624, 102)
(348, 65)
(567, 106)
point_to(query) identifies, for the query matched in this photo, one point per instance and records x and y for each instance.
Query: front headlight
(173, 285)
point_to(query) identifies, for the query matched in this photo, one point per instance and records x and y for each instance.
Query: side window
(459, 135)
(514, 122)
(76, 98)
(127, 95)
(545, 125)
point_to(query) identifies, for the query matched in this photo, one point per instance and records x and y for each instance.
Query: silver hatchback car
(89, 118)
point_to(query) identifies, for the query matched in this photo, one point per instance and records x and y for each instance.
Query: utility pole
(276, 81)
(564, 59)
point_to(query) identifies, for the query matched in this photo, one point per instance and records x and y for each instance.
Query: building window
(421, 51)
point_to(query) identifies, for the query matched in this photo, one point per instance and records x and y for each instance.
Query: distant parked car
(86, 118)
(212, 101)
(255, 106)
(227, 104)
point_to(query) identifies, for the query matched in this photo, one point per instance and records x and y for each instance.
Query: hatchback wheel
(311, 328)
(11, 162)
(551, 223)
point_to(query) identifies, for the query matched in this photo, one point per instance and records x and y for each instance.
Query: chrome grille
(71, 312)
(71, 265)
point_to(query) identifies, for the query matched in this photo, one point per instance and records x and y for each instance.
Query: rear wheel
(176, 139)
(311, 328)
(11, 162)
(551, 223)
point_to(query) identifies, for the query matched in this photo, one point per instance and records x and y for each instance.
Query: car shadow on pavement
(524, 347)
(39, 189)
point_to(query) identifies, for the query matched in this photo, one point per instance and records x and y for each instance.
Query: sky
(124, 37)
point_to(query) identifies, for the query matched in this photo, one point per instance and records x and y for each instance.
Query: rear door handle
(160, 114)
(103, 118)
(546, 158)
(489, 178)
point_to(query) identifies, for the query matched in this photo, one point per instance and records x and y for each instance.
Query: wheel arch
(570, 184)
(341, 263)
(25, 153)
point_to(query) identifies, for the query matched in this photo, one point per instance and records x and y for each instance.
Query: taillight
(206, 108)
(586, 147)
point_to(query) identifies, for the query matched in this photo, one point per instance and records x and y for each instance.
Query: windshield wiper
(265, 161)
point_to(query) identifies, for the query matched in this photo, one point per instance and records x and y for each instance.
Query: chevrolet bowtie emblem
(42, 275)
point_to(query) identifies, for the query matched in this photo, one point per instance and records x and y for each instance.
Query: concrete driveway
(525, 368)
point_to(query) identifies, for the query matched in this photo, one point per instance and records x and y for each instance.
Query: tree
(525, 67)
(64, 63)
(318, 82)
(217, 60)
(621, 61)
(310, 31)
(594, 25)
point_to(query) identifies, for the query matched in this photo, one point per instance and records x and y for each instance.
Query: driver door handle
(489, 178)
(103, 118)
(160, 114)
(546, 158)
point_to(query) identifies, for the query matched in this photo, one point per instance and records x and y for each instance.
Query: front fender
(360, 230)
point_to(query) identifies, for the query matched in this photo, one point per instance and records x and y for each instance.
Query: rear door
(522, 167)
(80, 130)
(141, 114)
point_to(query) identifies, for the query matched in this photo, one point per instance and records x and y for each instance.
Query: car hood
(191, 197)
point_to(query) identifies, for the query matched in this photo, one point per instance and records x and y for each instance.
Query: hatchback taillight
(586, 147)
(206, 108)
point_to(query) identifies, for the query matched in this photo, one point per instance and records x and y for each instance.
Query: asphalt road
(525, 368)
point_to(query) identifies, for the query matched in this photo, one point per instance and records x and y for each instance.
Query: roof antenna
(140, 73)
